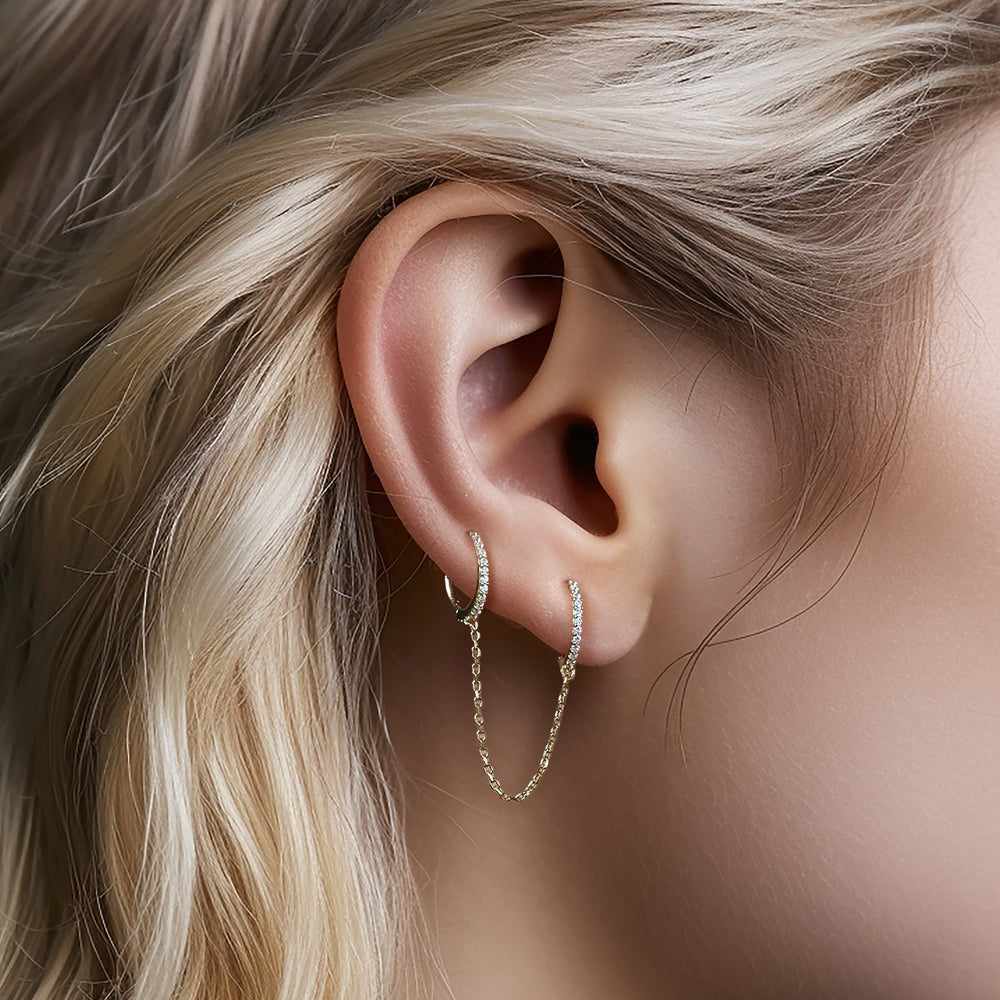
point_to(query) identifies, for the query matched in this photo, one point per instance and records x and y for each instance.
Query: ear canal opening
(557, 463)
(580, 445)
(584, 498)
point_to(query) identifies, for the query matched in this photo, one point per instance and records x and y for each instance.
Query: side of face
(832, 816)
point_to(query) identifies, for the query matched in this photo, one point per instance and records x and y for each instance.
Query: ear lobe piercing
(468, 615)
(471, 612)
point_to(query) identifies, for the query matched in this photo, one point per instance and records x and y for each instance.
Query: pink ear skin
(473, 335)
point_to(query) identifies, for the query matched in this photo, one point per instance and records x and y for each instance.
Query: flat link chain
(568, 673)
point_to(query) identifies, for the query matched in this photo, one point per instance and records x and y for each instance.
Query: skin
(831, 826)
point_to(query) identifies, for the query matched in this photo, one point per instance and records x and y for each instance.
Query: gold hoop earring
(468, 615)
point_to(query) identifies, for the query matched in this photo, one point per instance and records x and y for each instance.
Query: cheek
(834, 827)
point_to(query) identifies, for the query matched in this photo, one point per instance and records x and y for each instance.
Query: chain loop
(567, 669)
(469, 615)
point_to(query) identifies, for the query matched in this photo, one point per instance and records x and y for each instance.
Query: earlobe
(481, 386)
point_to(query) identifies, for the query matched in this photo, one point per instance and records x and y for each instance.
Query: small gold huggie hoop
(468, 615)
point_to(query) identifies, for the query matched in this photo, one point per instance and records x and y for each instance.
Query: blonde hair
(195, 791)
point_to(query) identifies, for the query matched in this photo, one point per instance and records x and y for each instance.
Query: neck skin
(796, 847)
(515, 894)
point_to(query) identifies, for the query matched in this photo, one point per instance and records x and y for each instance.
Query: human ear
(474, 339)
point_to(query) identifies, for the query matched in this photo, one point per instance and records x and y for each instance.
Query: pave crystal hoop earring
(468, 615)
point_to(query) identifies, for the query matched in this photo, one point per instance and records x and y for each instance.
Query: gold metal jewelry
(468, 615)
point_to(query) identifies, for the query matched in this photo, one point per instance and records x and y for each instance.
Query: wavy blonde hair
(195, 790)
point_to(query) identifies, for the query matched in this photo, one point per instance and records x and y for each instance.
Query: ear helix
(469, 616)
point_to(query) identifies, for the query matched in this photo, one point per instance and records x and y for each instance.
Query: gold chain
(568, 672)
(469, 615)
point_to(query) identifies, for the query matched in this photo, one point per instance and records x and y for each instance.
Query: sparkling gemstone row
(574, 648)
(482, 577)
